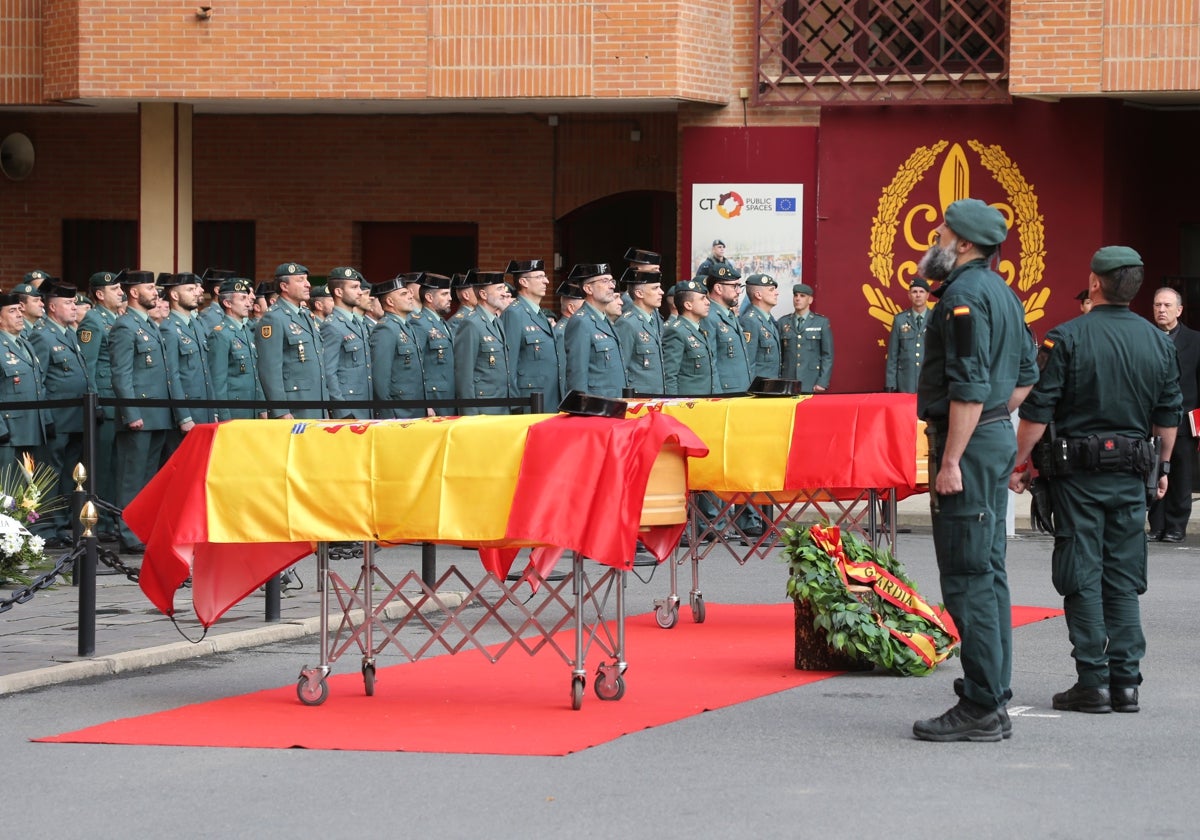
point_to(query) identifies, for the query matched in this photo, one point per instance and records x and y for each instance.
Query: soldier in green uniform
(906, 342)
(434, 341)
(570, 298)
(345, 339)
(320, 303)
(1109, 382)
(186, 343)
(978, 368)
(265, 295)
(480, 357)
(689, 365)
(464, 293)
(640, 331)
(66, 378)
(232, 357)
(759, 327)
(139, 372)
(290, 361)
(721, 324)
(806, 342)
(594, 363)
(93, 341)
(211, 315)
(395, 351)
(534, 363)
(33, 307)
(23, 430)
(717, 266)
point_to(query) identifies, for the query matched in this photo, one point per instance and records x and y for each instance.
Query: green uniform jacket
(594, 363)
(640, 335)
(532, 352)
(233, 363)
(23, 378)
(456, 320)
(139, 370)
(712, 267)
(187, 361)
(347, 356)
(437, 356)
(807, 349)
(480, 361)
(93, 341)
(688, 360)
(560, 344)
(396, 359)
(65, 372)
(208, 318)
(290, 362)
(729, 349)
(906, 351)
(763, 348)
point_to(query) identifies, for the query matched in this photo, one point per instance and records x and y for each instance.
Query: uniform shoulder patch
(265, 330)
(1043, 354)
(85, 336)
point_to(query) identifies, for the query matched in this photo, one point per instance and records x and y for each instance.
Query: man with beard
(433, 340)
(93, 333)
(806, 342)
(186, 346)
(721, 324)
(139, 372)
(594, 363)
(480, 358)
(906, 342)
(640, 330)
(25, 431)
(1169, 515)
(394, 350)
(978, 368)
(290, 366)
(464, 293)
(345, 348)
(232, 357)
(529, 336)
(320, 303)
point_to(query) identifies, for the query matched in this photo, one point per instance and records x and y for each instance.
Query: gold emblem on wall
(915, 223)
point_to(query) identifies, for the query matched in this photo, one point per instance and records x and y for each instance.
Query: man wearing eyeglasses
(721, 323)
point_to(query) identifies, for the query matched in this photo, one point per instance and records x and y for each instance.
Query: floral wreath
(864, 602)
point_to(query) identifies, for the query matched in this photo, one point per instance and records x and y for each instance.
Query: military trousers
(971, 544)
(1099, 567)
(104, 482)
(62, 455)
(138, 453)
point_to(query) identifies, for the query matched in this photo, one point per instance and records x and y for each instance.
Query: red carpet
(519, 706)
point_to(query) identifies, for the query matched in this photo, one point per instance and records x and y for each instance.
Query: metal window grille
(881, 51)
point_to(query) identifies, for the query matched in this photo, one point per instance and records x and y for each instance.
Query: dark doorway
(391, 248)
(91, 245)
(228, 245)
(605, 229)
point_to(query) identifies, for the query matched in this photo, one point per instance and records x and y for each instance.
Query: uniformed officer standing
(638, 259)
(93, 341)
(759, 327)
(187, 350)
(978, 367)
(290, 366)
(211, 315)
(265, 295)
(594, 363)
(529, 337)
(570, 298)
(640, 331)
(717, 266)
(480, 357)
(345, 341)
(24, 430)
(320, 303)
(66, 378)
(395, 351)
(433, 340)
(33, 308)
(464, 293)
(721, 324)
(139, 372)
(232, 357)
(689, 367)
(413, 280)
(806, 342)
(906, 342)
(1109, 381)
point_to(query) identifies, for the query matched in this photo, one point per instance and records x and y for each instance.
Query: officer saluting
(290, 366)
(594, 363)
(529, 337)
(232, 358)
(480, 357)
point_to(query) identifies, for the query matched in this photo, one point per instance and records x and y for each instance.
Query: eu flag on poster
(785, 205)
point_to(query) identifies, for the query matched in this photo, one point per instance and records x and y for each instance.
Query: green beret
(290, 269)
(919, 283)
(82, 300)
(344, 273)
(762, 280)
(802, 289)
(103, 278)
(232, 285)
(690, 286)
(36, 276)
(26, 289)
(1111, 257)
(976, 221)
(318, 292)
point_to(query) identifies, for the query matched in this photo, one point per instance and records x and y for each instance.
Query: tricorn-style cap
(582, 272)
(1111, 257)
(58, 290)
(976, 221)
(633, 277)
(410, 277)
(591, 405)
(570, 290)
(265, 288)
(1082, 296)
(129, 277)
(213, 277)
(388, 286)
(435, 281)
(518, 267)
(637, 256)
(478, 278)
(10, 299)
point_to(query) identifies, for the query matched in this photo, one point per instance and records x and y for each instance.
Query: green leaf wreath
(865, 624)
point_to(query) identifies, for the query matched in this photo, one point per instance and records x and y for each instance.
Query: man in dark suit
(1169, 515)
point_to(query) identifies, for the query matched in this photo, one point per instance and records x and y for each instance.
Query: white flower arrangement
(24, 498)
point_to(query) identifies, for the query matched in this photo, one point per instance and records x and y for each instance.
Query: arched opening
(602, 230)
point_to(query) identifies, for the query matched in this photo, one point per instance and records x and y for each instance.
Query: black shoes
(1093, 701)
(1124, 698)
(136, 548)
(1173, 536)
(59, 542)
(1005, 720)
(965, 722)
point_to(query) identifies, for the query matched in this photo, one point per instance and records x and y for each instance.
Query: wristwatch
(1164, 468)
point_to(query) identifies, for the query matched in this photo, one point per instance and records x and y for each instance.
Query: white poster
(762, 226)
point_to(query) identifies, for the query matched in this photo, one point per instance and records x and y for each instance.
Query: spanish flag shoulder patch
(959, 311)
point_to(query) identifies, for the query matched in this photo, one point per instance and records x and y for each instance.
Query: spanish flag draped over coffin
(838, 443)
(239, 502)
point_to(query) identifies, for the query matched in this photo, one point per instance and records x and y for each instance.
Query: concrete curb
(153, 657)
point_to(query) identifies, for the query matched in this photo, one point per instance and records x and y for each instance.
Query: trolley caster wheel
(577, 686)
(368, 672)
(667, 616)
(312, 693)
(606, 691)
(698, 613)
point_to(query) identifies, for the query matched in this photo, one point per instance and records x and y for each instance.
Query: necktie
(920, 323)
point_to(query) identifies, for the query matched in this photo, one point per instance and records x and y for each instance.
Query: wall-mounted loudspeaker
(16, 156)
